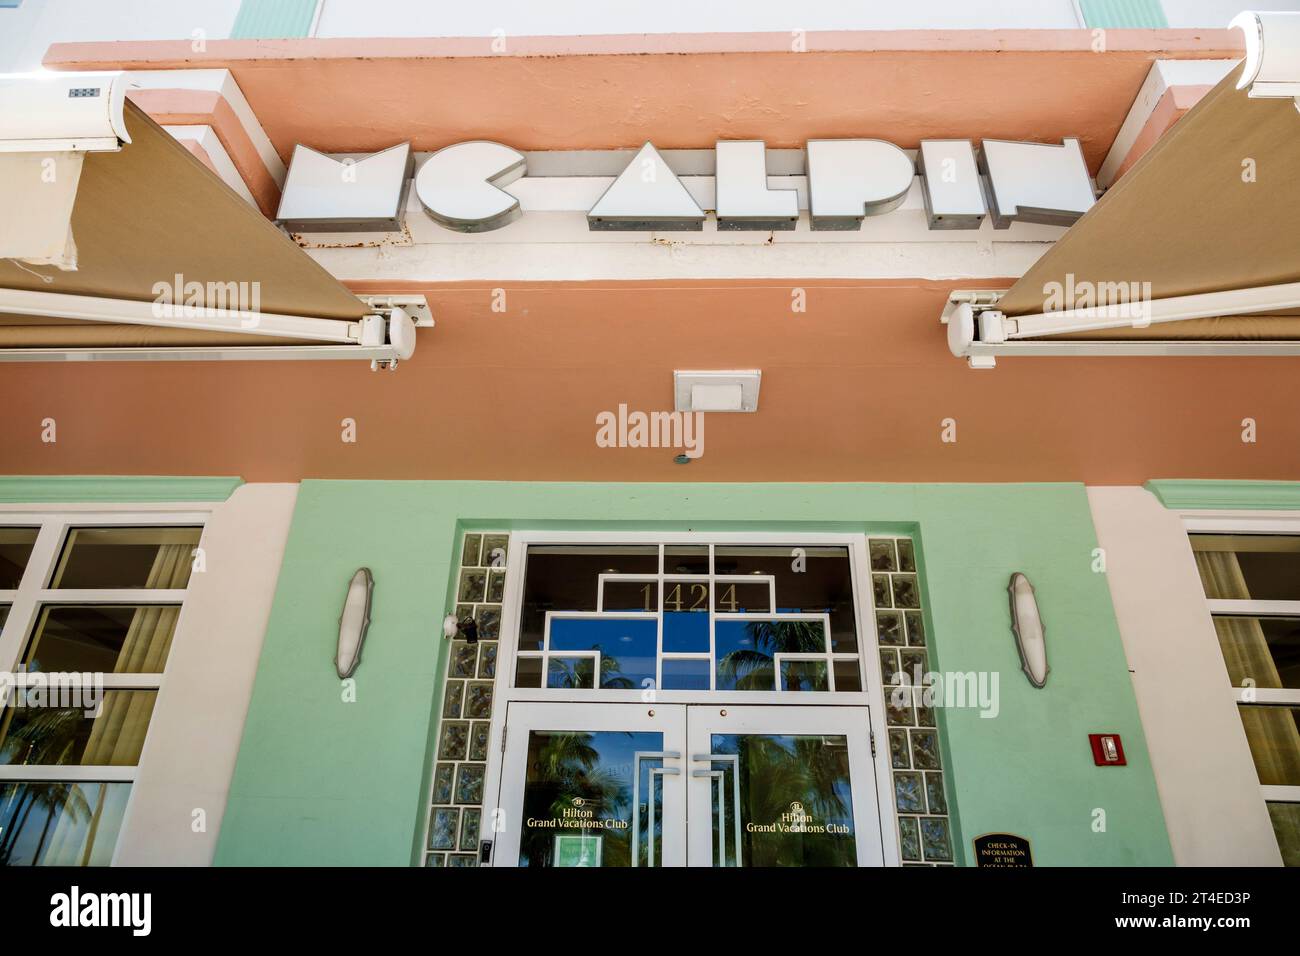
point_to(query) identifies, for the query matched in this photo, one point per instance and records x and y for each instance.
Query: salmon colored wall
(681, 91)
(854, 389)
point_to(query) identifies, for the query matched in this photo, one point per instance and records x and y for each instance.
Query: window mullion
(61, 773)
(1280, 794)
(1221, 607)
(141, 596)
(1265, 696)
(132, 681)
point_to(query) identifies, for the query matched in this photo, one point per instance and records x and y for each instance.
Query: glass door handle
(660, 771)
(721, 776)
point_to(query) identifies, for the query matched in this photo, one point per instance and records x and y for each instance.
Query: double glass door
(677, 784)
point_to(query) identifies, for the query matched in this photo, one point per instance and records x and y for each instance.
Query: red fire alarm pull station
(1107, 751)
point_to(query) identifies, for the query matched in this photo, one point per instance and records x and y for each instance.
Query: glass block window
(1252, 586)
(920, 797)
(461, 751)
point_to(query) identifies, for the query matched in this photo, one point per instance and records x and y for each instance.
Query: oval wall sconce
(354, 622)
(1027, 626)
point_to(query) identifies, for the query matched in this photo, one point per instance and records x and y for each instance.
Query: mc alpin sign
(463, 187)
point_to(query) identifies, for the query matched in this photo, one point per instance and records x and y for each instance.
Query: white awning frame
(980, 333)
(1256, 301)
(197, 318)
(980, 328)
(385, 337)
(385, 356)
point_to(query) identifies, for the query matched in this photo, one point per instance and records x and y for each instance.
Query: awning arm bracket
(978, 330)
(964, 311)
(416, 306)
(385, 336)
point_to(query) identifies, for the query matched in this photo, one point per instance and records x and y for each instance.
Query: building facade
(713, 442)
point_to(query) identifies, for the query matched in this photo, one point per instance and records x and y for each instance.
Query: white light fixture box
(720, 391)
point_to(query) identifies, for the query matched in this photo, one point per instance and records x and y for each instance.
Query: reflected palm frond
(754, 668)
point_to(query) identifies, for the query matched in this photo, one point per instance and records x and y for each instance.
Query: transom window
(688, 617)
(88, 607)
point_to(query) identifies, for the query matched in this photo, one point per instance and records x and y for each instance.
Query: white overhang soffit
(1195, 251)
(117, 243)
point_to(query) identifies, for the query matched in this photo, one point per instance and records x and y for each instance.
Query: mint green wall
(320, 781)
(94, 489)
(1207, 494)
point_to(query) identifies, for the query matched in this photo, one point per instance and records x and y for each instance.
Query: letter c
(460, 186)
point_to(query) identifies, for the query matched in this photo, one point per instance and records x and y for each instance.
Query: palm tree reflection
(776, 772)
(47, 737)
(753, 667)
(574, 673)
(567, 778)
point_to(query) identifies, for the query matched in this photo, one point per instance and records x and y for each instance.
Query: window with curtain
(1252, 584)
(101, 602)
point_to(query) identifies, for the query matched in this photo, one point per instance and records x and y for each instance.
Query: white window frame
(1259, 523)
(872, 695)
(32, 595)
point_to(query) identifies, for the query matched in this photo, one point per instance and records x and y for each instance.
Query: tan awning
(150, 214)
(1213, 206)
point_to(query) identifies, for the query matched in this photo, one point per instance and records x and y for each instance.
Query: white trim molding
(1166, 78)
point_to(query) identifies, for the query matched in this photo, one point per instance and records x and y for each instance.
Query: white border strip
(1163, 75)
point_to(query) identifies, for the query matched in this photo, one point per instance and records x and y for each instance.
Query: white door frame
(872, 696)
